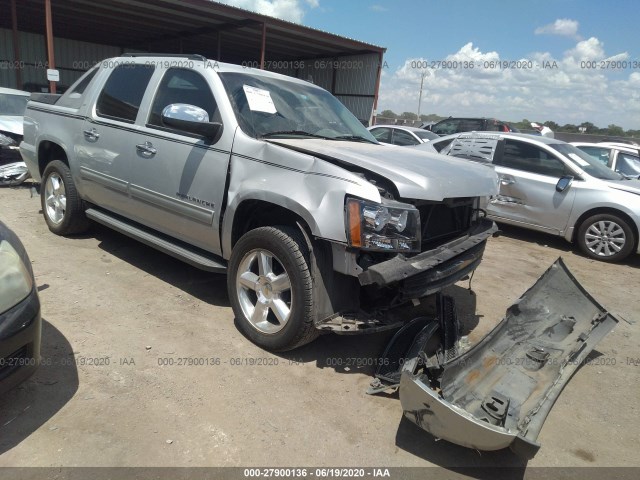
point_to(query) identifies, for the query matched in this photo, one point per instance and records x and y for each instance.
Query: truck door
(178, 178)
(102, 149)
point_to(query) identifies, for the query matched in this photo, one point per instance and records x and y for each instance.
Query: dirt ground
(113, 391)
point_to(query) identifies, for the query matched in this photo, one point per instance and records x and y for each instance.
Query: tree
(388, 114)
(615, 130)
(409, 116)
(552, 125)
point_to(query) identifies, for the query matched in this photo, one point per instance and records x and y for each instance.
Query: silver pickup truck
(320, 227)
(266, 177)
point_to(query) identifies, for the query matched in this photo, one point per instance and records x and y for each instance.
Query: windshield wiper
(293, 132)
(355, 138)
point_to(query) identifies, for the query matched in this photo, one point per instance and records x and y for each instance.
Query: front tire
(270, 288)
(62, 207)
(606, 237)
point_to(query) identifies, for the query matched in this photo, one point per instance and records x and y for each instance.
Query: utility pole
(424, 74)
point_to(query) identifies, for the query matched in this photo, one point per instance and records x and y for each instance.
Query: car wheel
(270, 288)
(62, 207)
(606, 237)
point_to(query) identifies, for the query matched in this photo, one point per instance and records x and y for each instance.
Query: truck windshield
(277, 108)
(586, 162)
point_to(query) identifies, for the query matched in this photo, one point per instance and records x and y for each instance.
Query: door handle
(92, 134)
(507, 180)
(146, 149)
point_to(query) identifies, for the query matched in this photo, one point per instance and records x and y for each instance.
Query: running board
(181, 251)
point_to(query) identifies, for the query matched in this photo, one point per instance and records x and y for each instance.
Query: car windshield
(586, 162)
(13, 104)
(275, 107)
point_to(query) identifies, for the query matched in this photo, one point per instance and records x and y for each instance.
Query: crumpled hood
(11, 124)
(631, 186)
(417, 174)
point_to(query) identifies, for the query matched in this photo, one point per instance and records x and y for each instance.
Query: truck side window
(122, 94)
(180, 85)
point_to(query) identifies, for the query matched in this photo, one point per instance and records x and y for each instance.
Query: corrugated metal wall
(352, 79)
(72, 59)
(355, 79)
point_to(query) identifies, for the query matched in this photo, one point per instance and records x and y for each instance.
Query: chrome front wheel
(264, 291)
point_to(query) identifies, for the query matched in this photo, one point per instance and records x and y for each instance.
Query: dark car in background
(20, 322)
(452, 125)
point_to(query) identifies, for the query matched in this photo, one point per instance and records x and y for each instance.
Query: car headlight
(383, 227)
(6, 141)
(15, 280)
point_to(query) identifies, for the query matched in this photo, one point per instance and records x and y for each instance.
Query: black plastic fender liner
(499, 393)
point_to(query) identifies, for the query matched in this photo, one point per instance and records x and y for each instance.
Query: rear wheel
(606, 237)
(62, 206)
(270, 288)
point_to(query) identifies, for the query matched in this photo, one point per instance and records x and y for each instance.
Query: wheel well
(252, 214)
(48, 151)
(610, 211)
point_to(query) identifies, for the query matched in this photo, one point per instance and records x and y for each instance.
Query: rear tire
(606, 237)
(270, 288)
(62, 207)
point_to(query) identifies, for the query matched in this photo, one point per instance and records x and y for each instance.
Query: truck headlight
(383, 227)
(15, 279)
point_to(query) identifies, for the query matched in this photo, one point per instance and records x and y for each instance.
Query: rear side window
(82, 84)
(122, 94)
(180, 85)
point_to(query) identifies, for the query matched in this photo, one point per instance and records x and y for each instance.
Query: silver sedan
(554, 187)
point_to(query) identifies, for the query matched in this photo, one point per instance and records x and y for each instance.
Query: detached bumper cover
(431, 271)
(499, 393)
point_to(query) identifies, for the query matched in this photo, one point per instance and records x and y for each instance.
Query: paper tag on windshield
(259, 99)
(580, 161)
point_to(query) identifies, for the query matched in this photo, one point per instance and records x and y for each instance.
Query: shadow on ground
(28, 406)
(555, 242)
(206, 286)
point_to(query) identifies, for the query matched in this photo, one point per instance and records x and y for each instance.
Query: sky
(589, 50)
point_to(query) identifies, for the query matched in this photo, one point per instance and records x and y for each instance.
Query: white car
(400, 135)
(622, 157)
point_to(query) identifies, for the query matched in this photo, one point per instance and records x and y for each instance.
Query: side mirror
(191, 119)
(564, 183)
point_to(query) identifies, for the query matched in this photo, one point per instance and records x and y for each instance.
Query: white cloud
(565, 89)
(292, 10)
(379, 8)
(564, 27)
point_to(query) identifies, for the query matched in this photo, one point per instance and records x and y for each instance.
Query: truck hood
(415, 173)
(11, 124)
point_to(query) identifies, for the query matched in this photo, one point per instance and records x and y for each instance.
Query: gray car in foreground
(554, 187)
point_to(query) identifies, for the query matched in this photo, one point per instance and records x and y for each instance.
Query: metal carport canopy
(218, 31)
